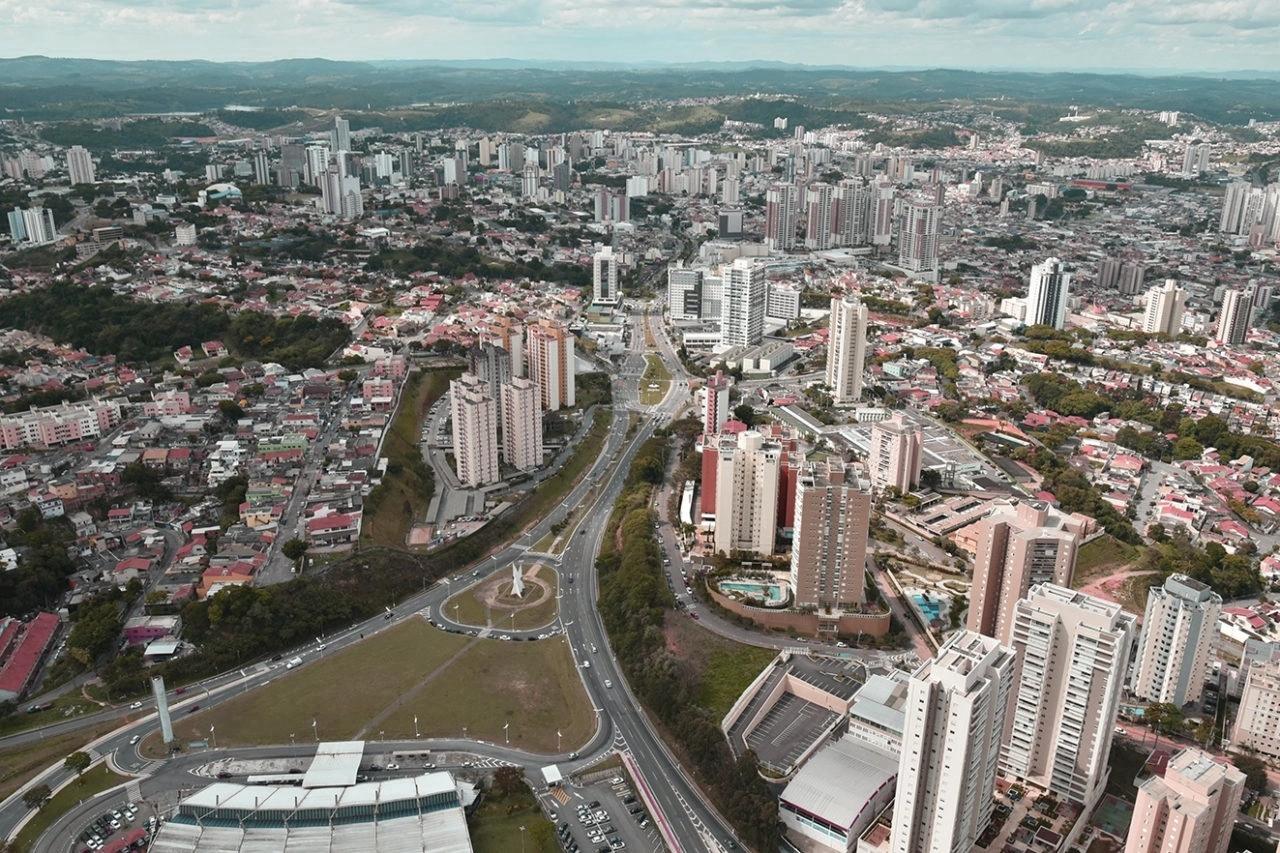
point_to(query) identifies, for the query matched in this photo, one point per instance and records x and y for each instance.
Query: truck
(293, 662)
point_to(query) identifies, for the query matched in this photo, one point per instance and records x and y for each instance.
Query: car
(375, 767)
(841, 644)
(193, 709)
(115, 813)
(223, 774)
(586, 664)
(608, 684)
(136, 705)
(393, 766)
(134, 740)
(179, 691)
(594, 804)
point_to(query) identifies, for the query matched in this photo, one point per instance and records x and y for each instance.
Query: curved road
(692, 823)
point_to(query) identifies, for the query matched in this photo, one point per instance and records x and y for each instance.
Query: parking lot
(125, 826)
(604, 817)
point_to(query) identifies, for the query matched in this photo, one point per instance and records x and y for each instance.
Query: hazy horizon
(1152, 36)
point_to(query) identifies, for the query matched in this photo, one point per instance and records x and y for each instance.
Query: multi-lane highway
(690, 822)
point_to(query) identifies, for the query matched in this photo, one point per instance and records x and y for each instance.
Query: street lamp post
(521, 838)
(506, 732)
(213, 737)
(416, 733)
(315, 731)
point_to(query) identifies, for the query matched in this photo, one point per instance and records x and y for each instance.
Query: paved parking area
(124, 821)
(599, 818)
(788, 729)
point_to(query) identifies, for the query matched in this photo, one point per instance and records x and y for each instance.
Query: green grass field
(1102, 557)
(93, 782)
(724, 668)
(495, 826)
(20, 764)
(468, 607)
(404, 493)
(340, 693)
(532, 685)
(64, 708)
(379, 685)
(656, 381)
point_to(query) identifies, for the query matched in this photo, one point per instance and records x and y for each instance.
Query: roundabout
(523, 600)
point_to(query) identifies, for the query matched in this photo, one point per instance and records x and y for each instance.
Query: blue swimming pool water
(931, 608)
(764, 590)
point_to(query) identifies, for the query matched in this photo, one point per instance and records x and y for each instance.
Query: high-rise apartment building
(1164, 307)
(829, 545)
(1233, 318)
(955, 714)
(884, 208)
(1073, 654)
(475, 431)
(1257, 726)
(32, 226)
(742, 305)
(893, 458)
(340, 195)
(780, 217)
(340, 134)
(549, 361)
(1195, 159)
(79, 165)
(918, 238)
(1191, 809)
(604, 277)
(851, 217)
(684, 293)
(747, 475)
(521, 424)
(1019, 544)
(715, 408)
(1178, 628)
(846, 348)
(1047, 294)
(818, 231)
(261, 168)
(490, 362)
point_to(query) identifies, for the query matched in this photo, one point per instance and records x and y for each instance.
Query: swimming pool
(930, 607)
(769, 592)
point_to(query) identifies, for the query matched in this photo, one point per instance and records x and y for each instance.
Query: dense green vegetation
(453, 261)
(144, 133)
(41, 576)
(101, 321)
(261, 119)
(555, 96)
(633, 604)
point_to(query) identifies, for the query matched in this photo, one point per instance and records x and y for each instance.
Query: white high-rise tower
(846, 348)
(1047, 294)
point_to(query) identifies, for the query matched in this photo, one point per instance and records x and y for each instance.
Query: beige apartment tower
(1020, 544)
(1191, 810)
(846, 348)
(521, 424)
(1178, 628)
(475, 431)
(747, 477)
(829, 546)
(1257, 724)
(894, 456)
(549, 363)
(1073, 653)
(954, 717)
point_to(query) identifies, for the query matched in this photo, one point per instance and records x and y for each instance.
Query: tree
(230, 410)
(77, 762)
(294, 549)
(508, 780)
(35, 797)
(745, 413)
(1254, 770)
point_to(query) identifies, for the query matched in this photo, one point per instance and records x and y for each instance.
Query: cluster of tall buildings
(32, 226)
(854, 213)
(498, 404)
(1251, 212)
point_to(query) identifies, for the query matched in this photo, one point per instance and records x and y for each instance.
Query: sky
(1157, 35)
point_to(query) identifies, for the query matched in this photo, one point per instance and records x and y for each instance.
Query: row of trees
(634, 602)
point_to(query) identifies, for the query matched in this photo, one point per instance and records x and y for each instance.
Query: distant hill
(40, 87)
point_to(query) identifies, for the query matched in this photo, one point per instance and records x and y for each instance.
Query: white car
(133, 740)
(136, 705)
(608, 684)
